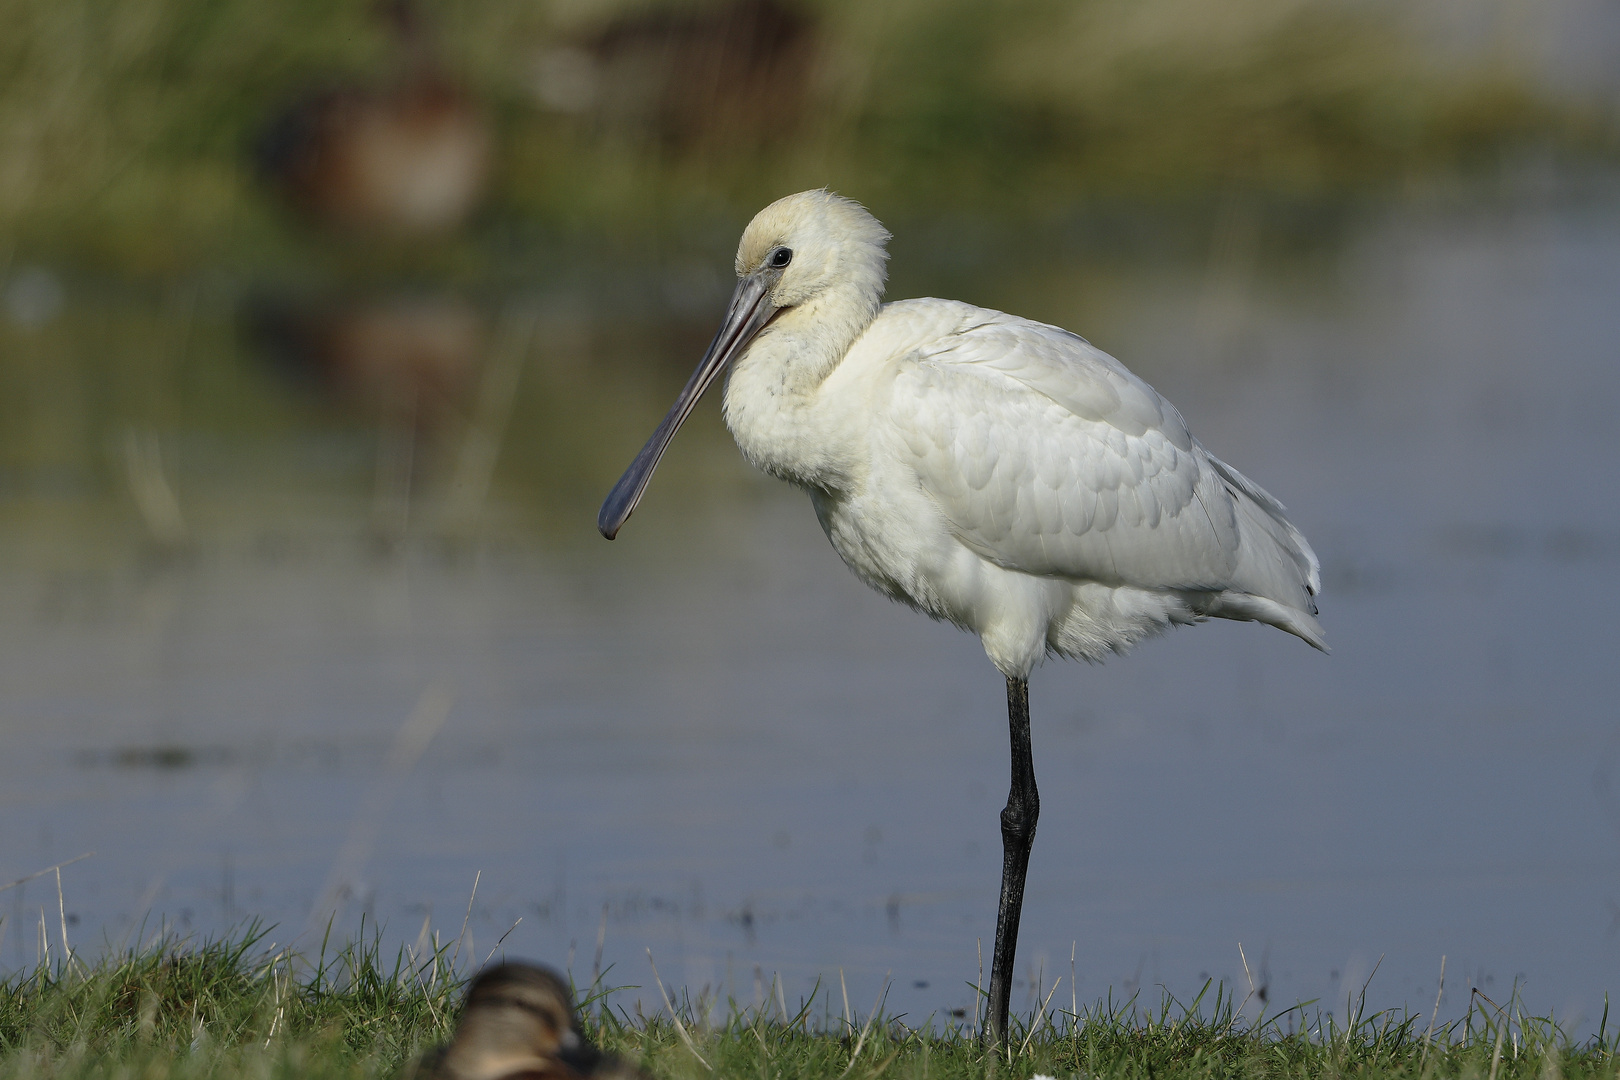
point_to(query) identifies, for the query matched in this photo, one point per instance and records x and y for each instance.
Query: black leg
(1017, 837)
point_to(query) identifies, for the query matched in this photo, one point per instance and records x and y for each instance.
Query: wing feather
(1049, 457)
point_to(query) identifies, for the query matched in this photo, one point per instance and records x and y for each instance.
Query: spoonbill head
(812, 266)
(991, 471)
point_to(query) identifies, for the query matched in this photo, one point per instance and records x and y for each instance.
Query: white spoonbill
(994, 472)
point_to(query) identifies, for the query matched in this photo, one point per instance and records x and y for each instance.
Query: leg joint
(1018, 818)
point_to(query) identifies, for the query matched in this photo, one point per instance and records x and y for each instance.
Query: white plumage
(985, 469)
(1000, 473)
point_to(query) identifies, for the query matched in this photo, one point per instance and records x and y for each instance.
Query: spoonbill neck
(776, 404)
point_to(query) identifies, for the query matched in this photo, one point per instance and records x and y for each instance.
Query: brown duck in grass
(409, 156)
(517, 1023)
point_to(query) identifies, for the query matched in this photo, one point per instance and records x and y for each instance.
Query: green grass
(224, 1007)
(240, 1007)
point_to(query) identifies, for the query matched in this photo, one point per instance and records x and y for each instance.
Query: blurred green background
(190, 250)
(127, 130)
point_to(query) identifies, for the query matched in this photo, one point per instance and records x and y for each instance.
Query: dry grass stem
(1030, 1034)
(41, 873)
(503, 937)
(1246, 975)
(1428, 1034)
(61, 914)
(1496, 1054)
(680, 1028)
(978, 987)
(860, 1042)
(466, 918)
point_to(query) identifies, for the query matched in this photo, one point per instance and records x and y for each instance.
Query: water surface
(708, 740)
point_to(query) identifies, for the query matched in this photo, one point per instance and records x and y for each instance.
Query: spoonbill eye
(781, 257)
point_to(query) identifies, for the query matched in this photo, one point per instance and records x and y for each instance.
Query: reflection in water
(409, 359)
(153, 493)
(438, 383)
(715, 736)
(409, 362)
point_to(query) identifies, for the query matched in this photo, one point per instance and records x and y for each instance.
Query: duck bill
(750, 310)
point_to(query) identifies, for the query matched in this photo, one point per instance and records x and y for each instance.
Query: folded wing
(1049, 457)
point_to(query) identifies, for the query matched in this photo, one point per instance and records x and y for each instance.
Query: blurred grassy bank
(126, 129)
(176, 326)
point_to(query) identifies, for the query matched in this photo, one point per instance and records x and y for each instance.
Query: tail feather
(1273, 517)
(1248, 607)
(1278, 574)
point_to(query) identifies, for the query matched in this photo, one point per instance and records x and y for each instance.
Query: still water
(708, 740)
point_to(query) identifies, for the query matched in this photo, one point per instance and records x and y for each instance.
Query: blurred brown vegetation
(127, 131)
